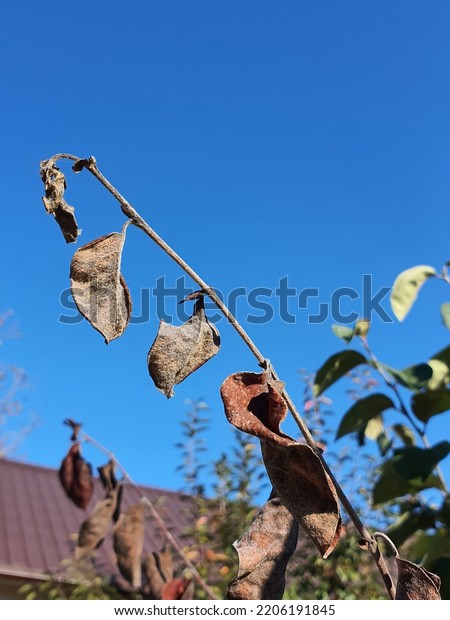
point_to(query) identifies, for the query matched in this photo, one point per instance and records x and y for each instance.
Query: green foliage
(409, 479)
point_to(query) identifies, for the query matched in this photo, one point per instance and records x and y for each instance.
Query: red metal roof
(38, 523)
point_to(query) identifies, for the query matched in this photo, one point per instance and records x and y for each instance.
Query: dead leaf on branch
(54, 203)
(254, 404)
(174, 590)
(128, 540)
(94, 529)
(108, 476)
(179, 351)
(414, 583)
(98, 287)
(158, 570)
(264, 551)
(75, 475)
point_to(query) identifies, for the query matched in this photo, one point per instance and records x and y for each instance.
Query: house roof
(38, 523)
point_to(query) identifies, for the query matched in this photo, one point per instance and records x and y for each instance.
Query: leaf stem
(91, 165)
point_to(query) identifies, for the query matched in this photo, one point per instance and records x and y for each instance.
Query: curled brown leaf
(174, 590)
(54, 203)
(254, 404)
(264, 551)
(98, 288)
(128, 540)
(94, 529)
(414, 583)
(158, 570)
(75, 475)
(178, 351)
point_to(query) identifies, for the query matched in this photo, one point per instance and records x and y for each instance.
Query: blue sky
(262, 140)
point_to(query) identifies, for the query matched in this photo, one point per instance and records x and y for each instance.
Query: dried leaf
(75, 475)
(98, 287)
(264, 551)
(158, 570)
(174, 590)
(178, 351)
(414, 583)
(94, 529)
(128, 543)
(75, 426)
(54, 203)
(254, 404)
(108, 476)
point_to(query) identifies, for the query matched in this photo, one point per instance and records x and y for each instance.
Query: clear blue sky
(262, 140)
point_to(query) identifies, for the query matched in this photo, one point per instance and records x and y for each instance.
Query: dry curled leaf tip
(75, 475)
(415, 583)
(54, 202)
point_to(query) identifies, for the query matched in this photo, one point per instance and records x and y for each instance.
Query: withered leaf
(173, 590)
(128, 540)
(158, 570)
(264, 551)
(94, 529)
(75, 475)
(54, 203)
(98, 287)
(414, 583)
(254, 404)
(178, 351)
(108, 476)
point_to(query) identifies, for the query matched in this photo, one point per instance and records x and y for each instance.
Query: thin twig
(91, 165)
(147, 502)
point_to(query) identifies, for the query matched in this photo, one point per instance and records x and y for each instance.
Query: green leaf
(406, 287)
(409, 523)
(430, 403)
(444, 511)
(341, 331)
(384, 443)
(413, 377)
(358, 416)
(336, 367)
(430, 546)
(391, 485)
(440, 364)
(445, 314)
(405, 434)
(412, 462)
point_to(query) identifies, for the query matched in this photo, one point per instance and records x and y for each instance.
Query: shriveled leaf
(157, 568)
(75, 426)
(174, 590)
(94, 529)
(54, 203)
(430, 403)
(304, 487)
(264, 551)
(179, 351)
(414, 377)
(108, 476)
(445, 314)
(406, 287)
(409, 523)
(336, 367)
(414, 583)
(75, 475)
(405, 434)
(253, 403)
(343, 332)
(98, 287)
(358, 416)
(128, 540)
